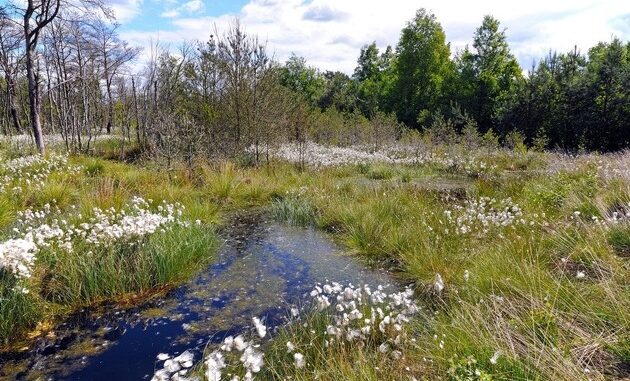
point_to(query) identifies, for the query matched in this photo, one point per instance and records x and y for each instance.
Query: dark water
(261, 269)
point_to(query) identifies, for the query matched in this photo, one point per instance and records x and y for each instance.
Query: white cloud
(170, 14)
(125, 10)
(176, 9)
(193, 6)
(329, 33)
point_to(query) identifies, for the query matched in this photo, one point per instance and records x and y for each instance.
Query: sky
(330, 33)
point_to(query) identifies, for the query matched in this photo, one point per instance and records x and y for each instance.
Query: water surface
(261, 269)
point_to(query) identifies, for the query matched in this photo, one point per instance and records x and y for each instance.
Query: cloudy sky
(329, 33)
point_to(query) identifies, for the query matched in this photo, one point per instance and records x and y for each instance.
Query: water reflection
(261, 269)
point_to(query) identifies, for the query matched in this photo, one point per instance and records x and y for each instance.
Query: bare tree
(35, 15)
(113, 54)
(11, 58)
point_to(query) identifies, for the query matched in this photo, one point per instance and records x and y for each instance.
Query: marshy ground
(517, 261)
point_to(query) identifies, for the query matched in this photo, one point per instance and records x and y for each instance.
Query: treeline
(218, 98)
(63, 72)
(69, 73)
(569, 101)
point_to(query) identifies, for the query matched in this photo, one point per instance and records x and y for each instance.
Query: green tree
(538, 107)
(572, 101)
(609, 82)
(303, 79)
(340, 92)
(487, 73)
(368, 64)
(421, 68)
(373, 74)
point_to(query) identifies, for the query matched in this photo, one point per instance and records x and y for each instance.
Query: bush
(514, 140)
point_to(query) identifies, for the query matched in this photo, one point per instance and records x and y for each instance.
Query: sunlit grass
(549, 299)
(163, 259)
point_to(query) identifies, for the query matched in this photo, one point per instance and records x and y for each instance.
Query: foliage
(574, 101)
(486, 74)
(422, 66)
(294, 209)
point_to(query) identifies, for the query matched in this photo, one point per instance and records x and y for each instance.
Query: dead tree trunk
(48, 10)
(33, 93)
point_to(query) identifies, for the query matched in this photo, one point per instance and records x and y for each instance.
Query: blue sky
(329, 33)
(155, 15)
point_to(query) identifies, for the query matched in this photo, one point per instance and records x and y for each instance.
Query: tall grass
(542, 301)
(294, 210)
(117, 270)
(17, 310)
(337, 360)
(549, 301)
(63, 281)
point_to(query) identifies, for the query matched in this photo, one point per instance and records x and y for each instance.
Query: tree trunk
(135, 106)
(33, 98)
(15, 117)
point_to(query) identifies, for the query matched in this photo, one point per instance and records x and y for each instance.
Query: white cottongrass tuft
(18, 256)
(358, 315)
(438, 284)
(49, 229)
(261, 329)
(299, 360)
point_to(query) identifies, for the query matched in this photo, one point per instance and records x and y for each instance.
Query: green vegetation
(550, 295)
(64, 280)
(571, 100)
(619, 239)
(118, 270)
(533, 261)
(294, 210)
(519, 255)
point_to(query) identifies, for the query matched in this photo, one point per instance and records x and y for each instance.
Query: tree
(113, 54)
(487, 73)
(368, 64)
(609, 82)
(302, 79)
(373, 74)
(422, 66)
(35, 15)
(572, 101)
(11, 58)
(242, 59)
(339, 92)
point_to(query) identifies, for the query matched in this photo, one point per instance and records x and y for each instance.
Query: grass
(63, 281)
(619, 239)
(165, 258)
(519, 300)
(17, 310)
(294, 210)
(514, 290)
(336, 361)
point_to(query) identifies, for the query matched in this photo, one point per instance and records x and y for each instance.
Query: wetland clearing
(435, 264)
(314, 190)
